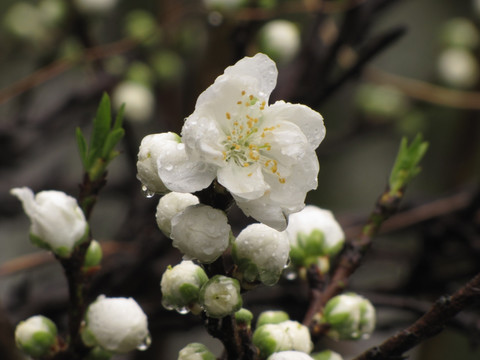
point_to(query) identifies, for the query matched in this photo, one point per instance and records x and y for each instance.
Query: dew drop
(169, 167)
(290, 274)
(183, 310)
(148, 194)
(145, 343)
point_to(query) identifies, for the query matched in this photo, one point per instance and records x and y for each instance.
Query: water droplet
(290, 274)
(180, 146)
(148, 194)
(183, 310)
(169, 167)
(145, 343)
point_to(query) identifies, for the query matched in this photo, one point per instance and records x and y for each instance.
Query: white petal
(246, 183)
(181, 174)
(308, 120)
(264, 211)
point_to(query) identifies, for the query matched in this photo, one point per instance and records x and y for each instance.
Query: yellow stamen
(228, 115)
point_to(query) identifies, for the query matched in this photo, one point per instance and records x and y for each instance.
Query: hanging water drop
(147, 193)
(290, 274)
(183, 310)
(145, 343)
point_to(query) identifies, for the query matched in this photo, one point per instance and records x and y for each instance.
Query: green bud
(350, 317)
(168, 66)
(195, 351)
(141, 25)
(272, 317)
(460, 32)
(220, 296)
(381, 103)
(243, 317)
(327, 355)
(36, 336)
(94, 254)
(98, 353)
(140, 73)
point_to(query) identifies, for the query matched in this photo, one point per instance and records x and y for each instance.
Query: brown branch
(60, 66)
(430, 324)
(424, 91)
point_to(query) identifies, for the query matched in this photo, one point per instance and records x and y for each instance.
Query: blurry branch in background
(421, 90)
(60, 66)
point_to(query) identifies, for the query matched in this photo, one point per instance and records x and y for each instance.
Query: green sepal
(244, 317)
(272, 317)
(264, 342)
(313, 244)
(406, 164)
(297, 256)
(99, 353)
(189, 294)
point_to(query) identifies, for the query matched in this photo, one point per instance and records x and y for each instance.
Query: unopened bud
(350, 317)
(36, 336)
(195, 351)
(272, 317)
(327, 355)
(290, 355)
(170, 205)
(220, 296)
(94, 254)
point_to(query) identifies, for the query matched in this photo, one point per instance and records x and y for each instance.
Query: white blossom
(263, 155)
(57, 222)
(280, 39)
(170, 205)
(262, 252)
(458, 68)
(290, 355)
(36, 335)
(118, 325)
(287, 335)
(201, 232)
(138, 99)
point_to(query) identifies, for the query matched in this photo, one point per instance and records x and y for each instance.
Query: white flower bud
(57, 222)
(95, 6)
(220, 296)
(327, 355)
(150, 148)
(458, 68)
(313, 232)
(287, 335)
(280, 39)
(195, 351)
(350, 316)
(290, 355)
(139, 100)
(201, 232)
(272, 317)
(181, 285)
(261, 252)
(170, 205)
(36, 336)
(116, 324)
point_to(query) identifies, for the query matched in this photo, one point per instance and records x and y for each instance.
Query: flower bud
(36, 336)
(313, 232)
(201, 232)
(261, 253)
(327, 355)
(220, 296)
(94, 255)
(289, 355)
(195, 351)
(350, 317)
(223, 5)
(244, 317)
(381, 102)
(287, 335)
(460, 32)
(272, 317)
(458, 68)
(280, 40)
(94, 6)
(170, 205)
(150, 148)
(57, 222)
(181, 285)
(140, 25)
(118, 325)
(99, 353)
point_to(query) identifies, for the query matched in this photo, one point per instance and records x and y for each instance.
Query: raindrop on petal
(145, 343)
(147, 193)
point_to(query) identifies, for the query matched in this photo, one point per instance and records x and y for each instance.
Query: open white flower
(263, 155)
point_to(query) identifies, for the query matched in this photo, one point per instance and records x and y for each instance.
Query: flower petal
(308, 120)
(181, 174)
(246, 183)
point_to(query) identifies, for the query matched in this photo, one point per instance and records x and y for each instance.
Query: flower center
(246, 143)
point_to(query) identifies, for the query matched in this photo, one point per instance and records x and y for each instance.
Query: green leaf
(406, 165)
(101, 125)
(111, 141)
(82, 146)
(119, 118)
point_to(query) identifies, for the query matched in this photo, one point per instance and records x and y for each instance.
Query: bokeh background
(376, 70)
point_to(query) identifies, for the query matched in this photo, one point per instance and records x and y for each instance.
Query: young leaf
(119, 118)
(110, 142)
(406, 165)
(101, 125)
(82, 146)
